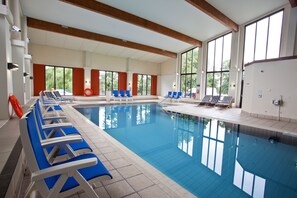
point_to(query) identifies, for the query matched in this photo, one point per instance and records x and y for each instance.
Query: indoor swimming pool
(208, 157)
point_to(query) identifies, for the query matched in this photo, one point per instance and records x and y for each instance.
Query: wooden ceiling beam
(107, 10)
(214, 13)
(44, 25)
(293, 3)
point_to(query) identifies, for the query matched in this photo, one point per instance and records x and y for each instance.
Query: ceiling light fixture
(12, 66)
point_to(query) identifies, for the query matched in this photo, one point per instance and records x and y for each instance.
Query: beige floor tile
(118, 163)
(139, 182)
(102, 193)
(153, 191)
(135, 195)
(112, 156)
(129, 171)
(119, 189)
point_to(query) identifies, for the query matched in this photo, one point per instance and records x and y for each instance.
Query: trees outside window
(59, 78)
(189, 68)
(109, 80)
(144, 84)
(218, 65)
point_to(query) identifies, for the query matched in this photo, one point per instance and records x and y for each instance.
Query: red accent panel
(39, 78)
(122, 81)
(95, 85)
(78, 81)
(154, 85)
(134, 84)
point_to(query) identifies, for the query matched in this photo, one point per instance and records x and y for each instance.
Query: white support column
(28, 89)
(18, 49)
(129, 76)
(5, 57)
(87, 69)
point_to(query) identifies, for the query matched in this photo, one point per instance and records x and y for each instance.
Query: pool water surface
(208, 157)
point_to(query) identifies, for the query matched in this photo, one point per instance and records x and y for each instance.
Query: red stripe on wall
(95, 85)
(78, 81)
(39, 78)
(122, 81)
(134, 84)
(154, 85)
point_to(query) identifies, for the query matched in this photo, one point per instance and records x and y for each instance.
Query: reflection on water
(210, 158)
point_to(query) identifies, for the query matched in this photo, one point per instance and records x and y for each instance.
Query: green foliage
(54, 78)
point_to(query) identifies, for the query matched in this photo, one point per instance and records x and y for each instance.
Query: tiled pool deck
(134, 177)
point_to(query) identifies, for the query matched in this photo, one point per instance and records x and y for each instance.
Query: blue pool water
(209, 158)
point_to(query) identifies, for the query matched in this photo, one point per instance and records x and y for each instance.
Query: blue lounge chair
(123, 95)
(178, 96)
(62, 179)
(174, 94)
(49, 105)
(213, 101)
(116, 96)
(49, 131)
(169, 95)
(128, 95)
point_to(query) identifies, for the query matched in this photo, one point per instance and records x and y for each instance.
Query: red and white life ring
(88, 92)
(16, 106)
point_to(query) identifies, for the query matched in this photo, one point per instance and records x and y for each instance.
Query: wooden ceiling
(58, 28)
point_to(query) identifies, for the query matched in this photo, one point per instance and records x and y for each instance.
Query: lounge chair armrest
(61, 140)
(68, 168)
(54, 118)
(56, 126)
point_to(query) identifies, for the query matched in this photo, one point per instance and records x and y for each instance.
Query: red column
(154, 85)
(78, 81)
(39, 78)
(95, 85)
(134, 84)
(122, 81)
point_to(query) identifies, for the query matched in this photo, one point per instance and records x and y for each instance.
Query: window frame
(186, 75)
(56, 66)
(268, 26)
(146, 84)
(105, 85)
(221, 71)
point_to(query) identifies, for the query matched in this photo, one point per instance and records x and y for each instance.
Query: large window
(59, 78)
(144, 84)
(109, 80)
(218, 65)
(263, 38)
(189, 68)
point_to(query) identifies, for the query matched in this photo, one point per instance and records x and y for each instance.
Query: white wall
(267, 81)
(167, 77)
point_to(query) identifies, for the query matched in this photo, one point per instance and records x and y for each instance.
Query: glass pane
(249, 43)
(261, 40)
(275, 30)
(68, 81)
(60, 79)
(227, 51)
(144, 85)
(189, 61)
(102, 83)
(188, 85)
(49, 77)
(217, 82)
(183, 84)
(140, 84)
(210, 56)
(115, 81)
(193, 87)
(225, 83)
(218, 54)
(184, 63)
(149, 85)
(209, 84)
(195, 60)
(108, 81)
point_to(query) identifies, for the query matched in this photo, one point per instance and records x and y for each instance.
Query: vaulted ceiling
(187, 23)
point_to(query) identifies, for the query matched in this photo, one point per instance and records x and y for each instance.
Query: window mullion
(267, 37)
